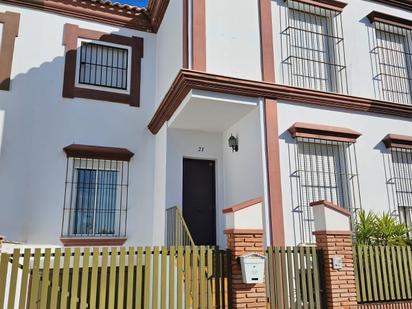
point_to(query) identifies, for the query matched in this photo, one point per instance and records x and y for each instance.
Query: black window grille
(96, 194)
(103, 66)
(399, 181)
(313, 48)
(321, 170)
(392, 61)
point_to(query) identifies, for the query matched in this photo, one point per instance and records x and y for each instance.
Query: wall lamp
(233, 143)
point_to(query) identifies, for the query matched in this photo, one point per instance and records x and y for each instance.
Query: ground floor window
(96, 193)
(323, 166)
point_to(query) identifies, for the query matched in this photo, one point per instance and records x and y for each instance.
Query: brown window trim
(325, 4)
(71, 35)
(397, 141)
(316, 131)
(98, 152)
(11, 22)
(403, 4)
(396, 21)
(93, 241)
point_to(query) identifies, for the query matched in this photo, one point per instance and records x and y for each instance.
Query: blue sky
(141, 3)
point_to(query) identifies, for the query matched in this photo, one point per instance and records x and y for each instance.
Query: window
(101, 66)
(314, 52)
(392, 60)
(96, 191)
(321, 169)
(398, 169)
(9, 29)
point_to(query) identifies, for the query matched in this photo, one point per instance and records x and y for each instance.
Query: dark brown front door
(199, 200)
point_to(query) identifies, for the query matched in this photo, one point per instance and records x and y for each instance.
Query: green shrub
(382, 230)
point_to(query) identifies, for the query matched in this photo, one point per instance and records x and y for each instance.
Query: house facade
(112, 114)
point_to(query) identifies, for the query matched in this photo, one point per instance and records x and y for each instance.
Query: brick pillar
(244, 232)
(334, 238)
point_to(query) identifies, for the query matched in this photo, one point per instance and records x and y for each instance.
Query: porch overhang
(210, 112)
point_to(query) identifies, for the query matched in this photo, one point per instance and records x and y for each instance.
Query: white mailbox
(253, 268)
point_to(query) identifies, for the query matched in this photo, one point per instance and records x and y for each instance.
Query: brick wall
(339, 283)
(245, 295)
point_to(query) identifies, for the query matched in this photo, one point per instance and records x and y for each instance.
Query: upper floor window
(323, 167)
(399, 176)
(314, 47)
(391, 58)
(96, 191)
(101, 66)
(9, 29)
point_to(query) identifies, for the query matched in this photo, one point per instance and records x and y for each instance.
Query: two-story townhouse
(221, 102)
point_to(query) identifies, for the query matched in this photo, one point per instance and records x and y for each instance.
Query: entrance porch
(202, 174)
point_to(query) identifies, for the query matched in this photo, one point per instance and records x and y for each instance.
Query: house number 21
(201, 149)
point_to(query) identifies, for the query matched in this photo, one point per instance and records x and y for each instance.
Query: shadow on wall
(37, 122)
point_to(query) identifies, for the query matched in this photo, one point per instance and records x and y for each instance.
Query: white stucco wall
(357, 32)
(232, 38)
(370, 151)
(38, 123)
(243, 170)
(169, 48)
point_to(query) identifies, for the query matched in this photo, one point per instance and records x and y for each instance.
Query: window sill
(93, 241)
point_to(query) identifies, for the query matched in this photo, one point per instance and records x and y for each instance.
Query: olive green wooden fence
(294, 277)
(383, 273)
(155, 278)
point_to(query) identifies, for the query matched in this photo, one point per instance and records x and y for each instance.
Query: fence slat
(24, 279)
(395, 272)
(45, 279)
(121, 281)
(103, 278)
(297, 278)
(163, 279)
(13, 278)
(278, 278)
(55, 278)
(4, 261)
(303, 277)
(93, 279)
(400, 271)
(209, 260)
(171, 278)
(139, 276)
(309, 278)
(35, 281)
(379, 272)
(112, 277)
(285, 298)
(406, 271)
(290, 277)
(147, 275)
(179, 284)
(130, 277)
(202, 277)
(384, 272)
(155, 284)
(366, 261)
(316, 278)
(74, 299)
(85, 279)
(373, 273)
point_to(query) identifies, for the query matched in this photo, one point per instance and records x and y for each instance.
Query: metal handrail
(177, 232)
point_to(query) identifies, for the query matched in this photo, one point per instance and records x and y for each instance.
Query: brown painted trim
(274, 173)
(334, 207)
(11, 22)
(317, 131)
(266, 41)
(71, 35)
(397, 141)
(156, 10)
(185, 47)
(403, 4)
(243, 231)
(199, 35)
(243, 205)
(396, 21)
(104, 12)
(326, 4)
(187, 80)
(108, 241)
(98, 152)
(331, 233)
